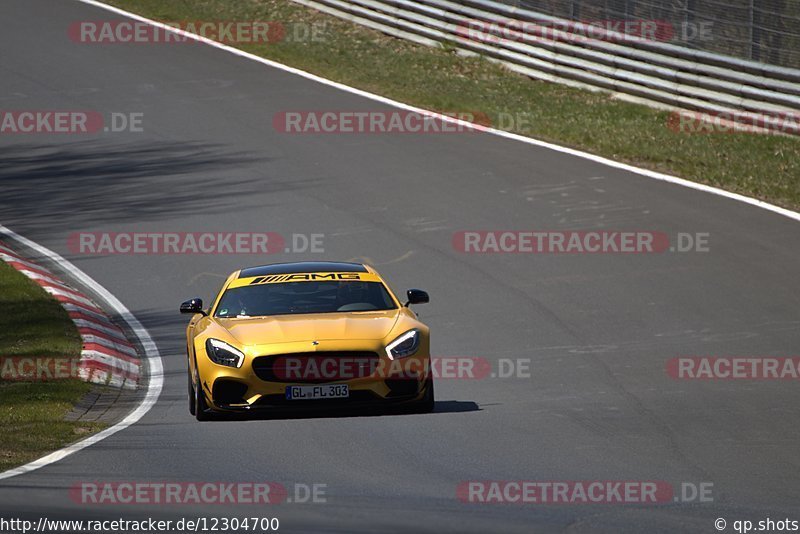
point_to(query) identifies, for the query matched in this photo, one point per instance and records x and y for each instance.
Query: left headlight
(223, 353)
(403, 346)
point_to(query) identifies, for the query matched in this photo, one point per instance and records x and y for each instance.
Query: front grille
(316, 367)
(361, 397)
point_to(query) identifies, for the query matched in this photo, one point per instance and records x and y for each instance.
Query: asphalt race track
(598, 329)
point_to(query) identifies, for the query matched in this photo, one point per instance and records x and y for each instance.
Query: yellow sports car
(307, 334)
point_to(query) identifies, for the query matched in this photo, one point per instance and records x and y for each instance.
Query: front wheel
(200, 406)
(192, 400)
(427, 403)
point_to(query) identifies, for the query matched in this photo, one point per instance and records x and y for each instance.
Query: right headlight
(404, 345)
(223, 353)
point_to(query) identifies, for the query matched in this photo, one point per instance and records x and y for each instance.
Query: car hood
(311, 327)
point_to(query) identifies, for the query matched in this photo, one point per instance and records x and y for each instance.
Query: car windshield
(304, 297)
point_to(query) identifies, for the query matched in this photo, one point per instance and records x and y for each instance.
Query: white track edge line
(152, 357)
(508, 135)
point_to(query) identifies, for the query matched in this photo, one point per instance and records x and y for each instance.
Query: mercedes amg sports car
(307, 334)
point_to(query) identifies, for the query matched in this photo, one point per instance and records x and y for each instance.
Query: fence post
(688, 22)
(575, 9)
(755, 51)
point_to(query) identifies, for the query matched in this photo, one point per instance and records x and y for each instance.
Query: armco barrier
(549, 48)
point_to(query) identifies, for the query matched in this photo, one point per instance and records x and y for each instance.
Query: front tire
(200, 406)
(192, 401)
(428, 402)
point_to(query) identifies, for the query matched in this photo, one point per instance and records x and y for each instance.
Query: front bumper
(251, 388)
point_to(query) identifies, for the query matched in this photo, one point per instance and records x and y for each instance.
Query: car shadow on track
(441, 407)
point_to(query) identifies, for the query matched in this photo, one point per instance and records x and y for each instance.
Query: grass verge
(32, 324)
(761, 166)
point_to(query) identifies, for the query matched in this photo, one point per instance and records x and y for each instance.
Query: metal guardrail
(562, 51)
(761, 30)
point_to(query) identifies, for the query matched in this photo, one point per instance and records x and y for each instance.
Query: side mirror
(193, 306)
(417, 296)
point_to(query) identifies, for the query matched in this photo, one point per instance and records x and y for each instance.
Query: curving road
(598, 329)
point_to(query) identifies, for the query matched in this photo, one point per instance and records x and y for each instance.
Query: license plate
(329, 391)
